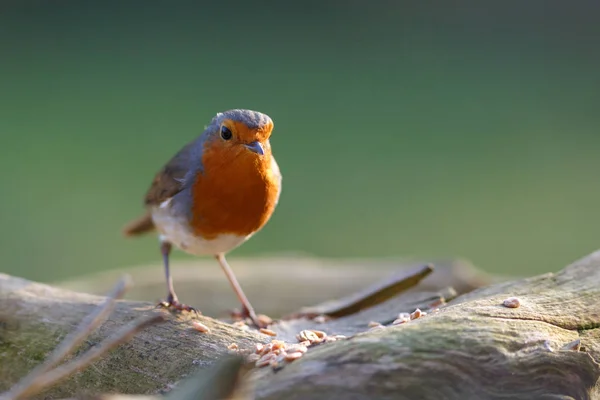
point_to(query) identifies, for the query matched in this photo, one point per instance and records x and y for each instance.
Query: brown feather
(139, 226)
(166, 183)
(169, 180)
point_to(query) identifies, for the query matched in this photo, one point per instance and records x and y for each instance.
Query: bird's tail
(139, 226)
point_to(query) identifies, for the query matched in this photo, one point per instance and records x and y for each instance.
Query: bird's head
(240, 132)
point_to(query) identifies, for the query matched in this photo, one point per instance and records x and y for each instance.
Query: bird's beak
(256, 147)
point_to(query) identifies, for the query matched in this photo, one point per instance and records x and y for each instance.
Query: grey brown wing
(169, 181)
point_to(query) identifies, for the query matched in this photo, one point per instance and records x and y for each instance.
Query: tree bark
(473, 347)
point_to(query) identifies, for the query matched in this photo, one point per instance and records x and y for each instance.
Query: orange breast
(236, 193)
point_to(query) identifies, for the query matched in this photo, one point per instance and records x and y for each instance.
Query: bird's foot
(174, 304)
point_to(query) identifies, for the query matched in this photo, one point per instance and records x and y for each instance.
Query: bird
(213, 195)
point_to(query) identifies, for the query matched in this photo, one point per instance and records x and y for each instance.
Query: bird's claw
(176, 305)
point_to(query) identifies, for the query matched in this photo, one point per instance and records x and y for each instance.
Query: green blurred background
(420, 129)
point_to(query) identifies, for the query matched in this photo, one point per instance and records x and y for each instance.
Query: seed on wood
(416, 314)
(277, 351)
(265, 360)
(305, 343)
(277, 344)
(296, 348)
(373, 324)
(402, 320)
(264, 319)
(236, 314)
(259, 348)
(330, 339)
(319, 319)
(268, 332)
(436, 303)
(200, 327)
(266, 348)
(320, 334)
(233, 346)
(340, 337)
(403, 315)
(293, 356)
(308, 335)
(278, 362)
(241, 325)
(511, 302)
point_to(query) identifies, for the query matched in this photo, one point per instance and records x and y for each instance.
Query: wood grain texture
(474, 348)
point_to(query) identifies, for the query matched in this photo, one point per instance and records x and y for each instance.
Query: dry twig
(43, 376)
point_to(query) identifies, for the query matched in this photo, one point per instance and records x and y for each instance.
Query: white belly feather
(175, 229)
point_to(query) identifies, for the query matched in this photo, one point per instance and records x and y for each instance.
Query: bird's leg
(172, 301)
(247, 310)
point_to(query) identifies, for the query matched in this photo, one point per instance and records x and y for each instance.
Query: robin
(213, 195)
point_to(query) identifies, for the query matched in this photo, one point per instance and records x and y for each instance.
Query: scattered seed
(264, 320)
(436, 303)
(278, 362)
(296, 348)
(259, 348)
(308, 335)
(293, 356)
(268, 332)
(266, 349)
(305, 343)
(200, 327)
(402, 320)
(340, 337)
(403, 315)
(277, 344)
(330, 339)
(511, 302)
(233, 346)
(265, 360)
(241, 325)
(319, 319)
(373, 324)
(320, 334)
(236, 315)
(416, 314)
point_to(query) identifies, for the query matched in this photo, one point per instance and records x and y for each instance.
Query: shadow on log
(467, 347)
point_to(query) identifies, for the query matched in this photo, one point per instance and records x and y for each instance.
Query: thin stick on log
(367, 298)
(123, 335)
(71, 341)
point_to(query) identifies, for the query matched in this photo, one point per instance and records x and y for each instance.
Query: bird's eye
(226, 133)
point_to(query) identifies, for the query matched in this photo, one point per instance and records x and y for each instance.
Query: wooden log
(471, 348)
(277, 285)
